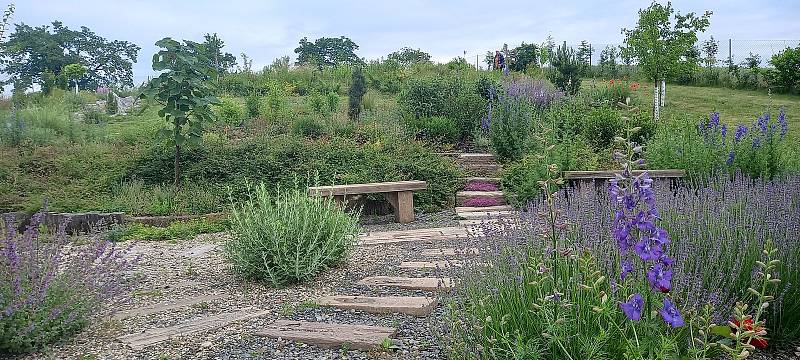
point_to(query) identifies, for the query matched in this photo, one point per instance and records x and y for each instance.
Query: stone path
(423, 283)
(327, 335)
(167, 305)
(410, 305)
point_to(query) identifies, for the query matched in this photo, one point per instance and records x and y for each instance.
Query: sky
(265, 30)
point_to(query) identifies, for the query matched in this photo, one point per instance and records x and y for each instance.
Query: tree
(566, 72)
(660, 42)
(74, 72)
(786, 75)
(608, 61)
(211, 49)
(489, 60)
(523, 56)
(546, 50)
(327, 52)
(30, 51)
(711, 48)
(752, 61)
(408, 56)
(183, 88)
(356, 94)
(6, 19)
(585, 52)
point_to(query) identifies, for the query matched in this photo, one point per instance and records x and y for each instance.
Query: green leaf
(723, 331)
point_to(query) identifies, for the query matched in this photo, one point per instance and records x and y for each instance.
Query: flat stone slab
(410, 305)
(154, 336)
(466, 209)
(165, 306)
(485, 214)
(449, 252)
(361, 337)
(424, 283)
(474, 179)
(430, 235)
(442, 264)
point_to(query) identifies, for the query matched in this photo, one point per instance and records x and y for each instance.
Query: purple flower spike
(671, 314)
(633, 308)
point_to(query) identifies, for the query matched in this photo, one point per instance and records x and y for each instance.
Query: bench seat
(399, 194)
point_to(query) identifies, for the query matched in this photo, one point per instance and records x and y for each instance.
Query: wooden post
(339, 200)
(403, 204)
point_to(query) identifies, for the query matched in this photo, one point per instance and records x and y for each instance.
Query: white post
(656, 100)
(663, 93)
(76, 88)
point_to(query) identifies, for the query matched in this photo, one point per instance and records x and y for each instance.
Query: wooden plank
(165, 306)
(449, 252)
(412, 283)
(410, 305)
(371, 188)
(149, 337)
(610, 174)
(431, 239)
(441, 264)
(485, 214)
(360, 337)
(466, 209)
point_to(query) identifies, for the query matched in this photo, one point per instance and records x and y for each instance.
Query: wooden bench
(398, 193)
(610, 174)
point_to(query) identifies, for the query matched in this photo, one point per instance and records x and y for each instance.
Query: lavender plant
(51, 287)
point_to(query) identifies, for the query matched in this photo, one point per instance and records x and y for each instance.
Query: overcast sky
(265, 30)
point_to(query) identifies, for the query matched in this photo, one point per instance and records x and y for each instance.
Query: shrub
(786, 75)
(613, 92)
(435, 129)
(601, 125)
(230, 112)
(289, 237)
(511, 127)
(252, 104)
(111, 104)
(317, 103)
(566, 71)
(178, 230)
(308, 126)
(50, 289)
(450, 97)
(356, 93)
(332, 101)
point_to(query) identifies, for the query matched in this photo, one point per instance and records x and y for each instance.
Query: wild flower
(671, 314)
(538, 92)
(633, 307)
(481, 202)
(481, 186)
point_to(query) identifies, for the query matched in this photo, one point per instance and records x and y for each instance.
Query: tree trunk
(177, 180)
(663, 93)
(656, 100)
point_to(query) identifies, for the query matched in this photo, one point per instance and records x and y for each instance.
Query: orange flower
(757, 341)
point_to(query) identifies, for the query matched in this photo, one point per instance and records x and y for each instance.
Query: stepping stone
(476, 157)
(466, 209)
(360, 337)
(429, 235)
(410, 305)
(425, 283)
(199, 250)
(476, 222)
(479, 179)
(165, 306)
(442, 264)
(485, 214)
(450, 252)
(464, 195)
(149, 337)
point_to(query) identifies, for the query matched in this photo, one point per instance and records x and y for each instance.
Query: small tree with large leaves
(186, 93)
(660, 42)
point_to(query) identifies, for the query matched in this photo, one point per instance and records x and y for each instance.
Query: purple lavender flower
(723, 130)
(741, 131)
(626, 268)
(633, 308)
(671, 314)
(783, 123)
(731, 155)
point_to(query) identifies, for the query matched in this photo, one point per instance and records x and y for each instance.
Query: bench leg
(339, 200)
(403, 204)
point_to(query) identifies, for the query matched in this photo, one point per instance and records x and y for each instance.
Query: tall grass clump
(50, 288)
(288, 237)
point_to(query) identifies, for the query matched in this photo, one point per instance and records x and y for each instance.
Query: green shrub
(786, 75)
(356, 93)
(178, 230)
(308, 126)
(436, 129)
(566, 71)
(332, 100)
(446, 96)
(289, 237)
(230, 112)
(111, 104)
(317, 103)
(567, 114)
(252, 104)
(601, 125)
(511, 128)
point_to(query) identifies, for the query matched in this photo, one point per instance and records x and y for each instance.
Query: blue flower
(627, 267)
(660, 277)
(633, 308)
(730, 158)
(741, 131)
(671, 314)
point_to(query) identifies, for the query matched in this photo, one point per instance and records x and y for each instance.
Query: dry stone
(424, 283)
(410, 305)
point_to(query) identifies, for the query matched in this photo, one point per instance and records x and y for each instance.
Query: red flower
(635, 86)
(611, 82)
(758, 341)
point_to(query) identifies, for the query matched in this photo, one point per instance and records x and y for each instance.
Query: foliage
(50, 289)
(252, 104)
(608, 62)
(230, 112)
(178, 230)
(30, 52)
(435, 129)
(357, 90)
(786, 75)
(288, 237)
(452, 97)
(211, 50)
(601, 125)
(327, 52)
(185, 93)
(111, 104)
(523, 56)
(74, 72)
(614, 92)
(308, 126)
(511, 128)
(567, 68)
(408, 56)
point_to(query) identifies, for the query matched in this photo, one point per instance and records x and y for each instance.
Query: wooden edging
(610, 174)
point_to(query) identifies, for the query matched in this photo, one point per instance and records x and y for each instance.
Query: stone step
(149, 337)
(467, 198)
(479, 179)
(165, 306)
(441, 264)
(410, 305)
(423, 283)
(467, 157)
(466, 209)
(477, 215)
(428, 235)
(449, 252)
(335, 336)
(475, 222)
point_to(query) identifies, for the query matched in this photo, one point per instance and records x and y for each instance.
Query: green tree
(30, 51)
(211, 49)
(546, 50)
(585, 52)
(327, 52)
(567, 68)
(356, 94)
(711, 48)
(408, 56)
(186, 93)
(608, 61)
(660, 42)
(74, 73)
(786, 75)
(523, 56)
(6, 19)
